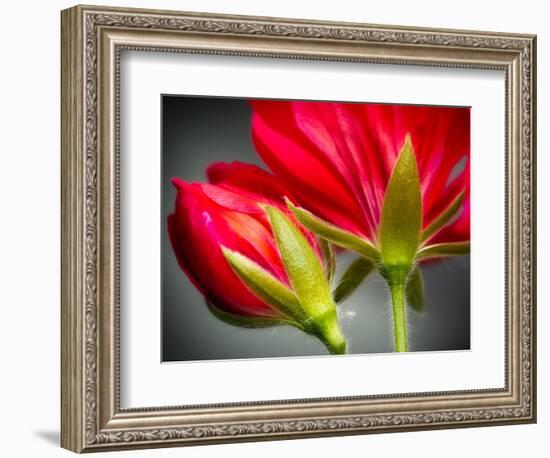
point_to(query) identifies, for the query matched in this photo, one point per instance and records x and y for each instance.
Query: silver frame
(92, 40)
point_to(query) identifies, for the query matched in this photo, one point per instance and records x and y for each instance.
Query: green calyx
(245, 321)
(308, 279)
(401, 216)
(414, 290)
(444, 218)
(265, 286)
(354, 275)
(307, 303)
(334, 234)
(442, 250)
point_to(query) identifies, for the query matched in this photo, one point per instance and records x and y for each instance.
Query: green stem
(399, 320)
(328, 330)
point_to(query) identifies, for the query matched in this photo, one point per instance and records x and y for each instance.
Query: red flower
(226, 213)
(337, 158)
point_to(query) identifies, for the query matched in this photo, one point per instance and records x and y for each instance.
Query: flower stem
(328, 330)
(399, 320)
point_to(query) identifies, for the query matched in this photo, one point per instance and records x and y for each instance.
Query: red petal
(301, 167)
(248, 180)
(255, 240)
(440, 161)
(459, 229)
(335, 130)
(227, 197)
(197, 227)
(338, 157)
(180, 253)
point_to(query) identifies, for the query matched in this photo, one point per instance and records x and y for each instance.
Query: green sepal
(302, 265)
(441, 250)
(327, 330)
(334, 234)
(265, 285)
(414, 290)
(401, 216)
(243, 321)
(445, 216)
(328, 259)
(308, 280)
(354, 275)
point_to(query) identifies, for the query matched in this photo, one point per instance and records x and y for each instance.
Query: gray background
(199, 130)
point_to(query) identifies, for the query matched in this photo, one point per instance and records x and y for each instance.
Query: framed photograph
(277, 228)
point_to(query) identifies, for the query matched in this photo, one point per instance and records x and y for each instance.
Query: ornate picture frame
(92, 41)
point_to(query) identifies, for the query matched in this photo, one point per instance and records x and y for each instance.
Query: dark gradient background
(199, 130)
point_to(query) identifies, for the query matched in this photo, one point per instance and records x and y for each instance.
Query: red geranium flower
(337, 158)
(222, 235)
(209, 216)
(388, 181)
